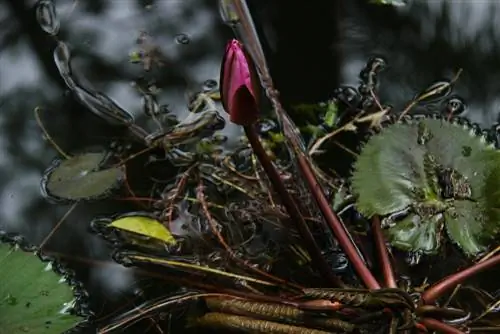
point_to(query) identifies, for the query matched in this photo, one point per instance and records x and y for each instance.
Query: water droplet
(209, 85)
(46, 16)
(348, 95)
(454, 106)
(267, 125)
(182, 39)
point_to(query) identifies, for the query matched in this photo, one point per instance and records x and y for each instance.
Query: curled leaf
(144, 226)
(81, 178)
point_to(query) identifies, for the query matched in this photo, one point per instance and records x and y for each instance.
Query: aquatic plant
(253, 236)
(37, 293)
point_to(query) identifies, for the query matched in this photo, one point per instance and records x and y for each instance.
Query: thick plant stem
(291, 207)
(439, 326)
(336, 226)
(438, 289)
(383, 254)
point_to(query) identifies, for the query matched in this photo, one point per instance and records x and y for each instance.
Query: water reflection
(422, 42)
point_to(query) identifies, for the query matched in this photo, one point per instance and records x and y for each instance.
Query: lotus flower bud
(239, 85)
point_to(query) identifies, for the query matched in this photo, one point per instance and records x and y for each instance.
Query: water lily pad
(33, 297)
(81, 178)
(401, 169)
(144, 226)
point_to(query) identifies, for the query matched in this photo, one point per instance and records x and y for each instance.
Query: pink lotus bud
(239, 85)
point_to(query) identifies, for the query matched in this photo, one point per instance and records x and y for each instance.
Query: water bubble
(376, 64)
(182, 39)
(454, 106)
(209, 85)
(46, 16)
(267, 125)
(348, 95)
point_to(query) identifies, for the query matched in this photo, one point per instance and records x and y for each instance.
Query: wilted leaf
(412, 234)
(81, 177)
(33, 298)
(145, 226)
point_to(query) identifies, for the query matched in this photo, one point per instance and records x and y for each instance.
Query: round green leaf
(81, 177)
(398, 170)
(33, 298)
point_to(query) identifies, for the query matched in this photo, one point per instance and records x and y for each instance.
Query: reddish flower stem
(336, 226)
(439, 326)
(383, 254)
(438, 289)
(291, 207)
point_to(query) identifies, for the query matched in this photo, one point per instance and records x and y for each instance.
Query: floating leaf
(81, 178)
(400, 169)
(145, 226)
(33, 297)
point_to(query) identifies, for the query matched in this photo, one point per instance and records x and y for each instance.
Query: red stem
(438, 289)
(383, 255)
(439, 326)
(336, 226)
(291, 206)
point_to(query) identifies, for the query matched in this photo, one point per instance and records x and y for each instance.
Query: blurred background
(312, 47)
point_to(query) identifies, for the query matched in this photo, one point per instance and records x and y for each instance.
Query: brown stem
(336, 226)
(439, 326)
(449, 282)
(383, 255)
(229, 250)
(291, 207)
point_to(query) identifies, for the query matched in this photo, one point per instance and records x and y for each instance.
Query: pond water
(311, 51)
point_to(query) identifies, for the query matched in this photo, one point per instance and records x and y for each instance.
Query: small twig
(232, 254)
(436, 90)
(66, 215)
(47, 135)
(350, 126)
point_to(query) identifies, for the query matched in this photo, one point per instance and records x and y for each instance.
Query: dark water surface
(312, 47)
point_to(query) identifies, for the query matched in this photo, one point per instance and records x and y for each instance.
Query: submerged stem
(449, 282)
(383, 255)
(291, 206)
(336, 225)
(439, 326)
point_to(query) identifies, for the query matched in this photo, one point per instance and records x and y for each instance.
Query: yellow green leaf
(331, 114)
(144, 226)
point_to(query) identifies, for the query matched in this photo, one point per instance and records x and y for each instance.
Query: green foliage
(396, 172)
(33, 298)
